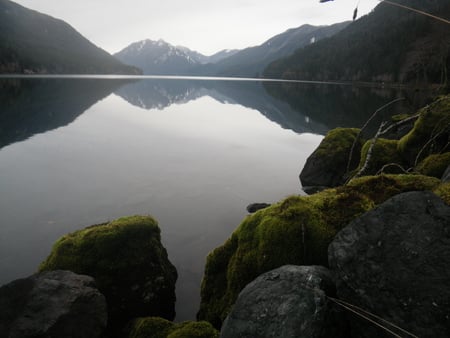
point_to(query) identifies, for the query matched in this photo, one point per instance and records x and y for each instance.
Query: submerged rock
(289, 302)
(394, 262)
(327, 166)
(254, 207)
(128, 262)
(52, 304)
(296, 231)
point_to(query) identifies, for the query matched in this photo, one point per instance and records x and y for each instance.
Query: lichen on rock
(128, 262)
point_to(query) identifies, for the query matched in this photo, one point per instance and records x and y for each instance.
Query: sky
(206, 26)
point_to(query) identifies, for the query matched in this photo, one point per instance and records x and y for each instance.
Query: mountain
(162, 58)
(221, 55)
(390, 44)
(250, 62)
(31, 42)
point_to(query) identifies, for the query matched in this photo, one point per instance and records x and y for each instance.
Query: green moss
(434, 165)
(432, 125)
(327, 165)
(384, 152)
(338, 140)
(155, 327)
(194, 330)
(296, 231)
(382, 187)
(128, 262)
(443, 191)
(149, 327)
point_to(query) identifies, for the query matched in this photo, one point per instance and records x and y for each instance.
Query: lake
(193, 153)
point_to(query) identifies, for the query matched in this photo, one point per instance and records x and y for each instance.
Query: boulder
(430, 134)
(52, 304)
(129, 264)
(155, 327)
(254, 207)
(295, 231)
(435, 165)
(394, 262)
(327, 165)
(288, 302)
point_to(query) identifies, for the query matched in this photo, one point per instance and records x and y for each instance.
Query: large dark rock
(394, 262)
(327, 165)
(52, 304)
(287, 302)
(129, 264)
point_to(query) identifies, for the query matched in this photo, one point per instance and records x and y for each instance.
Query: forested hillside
(390, 44)
(251, 61)
(31, 42)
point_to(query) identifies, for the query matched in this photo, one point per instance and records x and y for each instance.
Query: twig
(417, 11)
(405, 120)
(369, 152)
(434, 137)
(352, 150)
(366, 315)
(392, 165)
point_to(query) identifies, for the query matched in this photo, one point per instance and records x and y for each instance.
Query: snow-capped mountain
(159, 57)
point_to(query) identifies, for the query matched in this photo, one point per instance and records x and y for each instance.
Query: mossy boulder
(327, 166)
(443, 191)
(431, 132)
(155, 327)
(294, 231)
(434, 165)
(384, 152)
(128, 262)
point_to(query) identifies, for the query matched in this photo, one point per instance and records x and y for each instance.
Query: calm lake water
(191, 153)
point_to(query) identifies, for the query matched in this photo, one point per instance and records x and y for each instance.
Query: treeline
(390, 44)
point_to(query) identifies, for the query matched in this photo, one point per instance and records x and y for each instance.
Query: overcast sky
(206, 26)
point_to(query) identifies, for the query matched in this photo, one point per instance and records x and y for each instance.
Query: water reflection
(345, 105)
(193, 154)
(32, 106)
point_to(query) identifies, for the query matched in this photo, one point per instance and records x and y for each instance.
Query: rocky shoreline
(375, 243)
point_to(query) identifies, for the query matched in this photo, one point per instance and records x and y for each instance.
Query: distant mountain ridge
(251, 62)
(390, 44)
(31, 42)
(162, 58)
